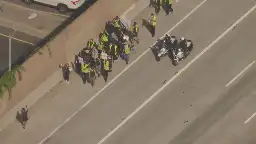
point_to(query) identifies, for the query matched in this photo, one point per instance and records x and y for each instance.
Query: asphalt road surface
(153, 102)
(20, 47)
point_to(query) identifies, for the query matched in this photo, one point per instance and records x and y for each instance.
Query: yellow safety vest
(104, 38)
(135, 28)
(110, 47)
(91, 44)
(153, 20)
(100, 47)
(85, 68)
(115, 48)
(160, 1)
(116, 23)
(169, 1)
(127, 50)
(106, 65)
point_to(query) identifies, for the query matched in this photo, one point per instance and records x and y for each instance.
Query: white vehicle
(63, 6)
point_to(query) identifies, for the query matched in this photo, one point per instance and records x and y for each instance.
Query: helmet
(173, 37)
(182, 38)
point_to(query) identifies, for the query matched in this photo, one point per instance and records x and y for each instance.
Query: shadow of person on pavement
(154, 50)
(146, 24)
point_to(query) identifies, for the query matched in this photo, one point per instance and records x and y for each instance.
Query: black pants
(66, 75)
(105, 75)
(152, 30)
(85, 77)
(168, 8)
(157, 7)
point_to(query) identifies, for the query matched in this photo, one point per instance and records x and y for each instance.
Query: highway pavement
(153, 102)
(22, 44)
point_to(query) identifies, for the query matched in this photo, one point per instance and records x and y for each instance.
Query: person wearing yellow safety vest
(85, 69)
(126, 53)
(117, 22)
(107, 68)
(135, 31)
(152, 22)
(91, 44)
(168, 4)
(114, 52)
(104, 37)
(158, 4)
(100, 47)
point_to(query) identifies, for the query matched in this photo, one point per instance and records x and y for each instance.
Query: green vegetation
(9, 80)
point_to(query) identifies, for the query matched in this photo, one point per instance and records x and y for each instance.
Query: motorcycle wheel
(175, 62)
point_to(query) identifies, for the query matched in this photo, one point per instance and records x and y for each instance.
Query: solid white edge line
(115, 78)
(251, 117)
(238, 75)
(175, 76)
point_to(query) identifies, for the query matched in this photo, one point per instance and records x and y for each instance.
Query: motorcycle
(182, 52)
(177, 56)
(161, 48)
(188, 48)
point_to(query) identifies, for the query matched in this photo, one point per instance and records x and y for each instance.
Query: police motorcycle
(188, 48)
(161, 46)
(183, 49)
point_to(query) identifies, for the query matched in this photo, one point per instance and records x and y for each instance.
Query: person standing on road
(91, 44)
(66, 69)
(107, 68)
(126, 53)
(22, 116)
(85, 72)
(158, 5)
(168, 4)
(135, 31)
(151, 3)
(114, 52)
(152, 22)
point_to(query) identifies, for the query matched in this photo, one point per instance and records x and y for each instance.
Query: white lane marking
(116, 77)
(238, 75)
(30, 9)
(128, 10)
(251, 117)
(177, 24)
(175, 76)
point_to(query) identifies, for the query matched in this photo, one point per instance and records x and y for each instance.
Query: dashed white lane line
(250, 118)
(176, 76)
(238, 75)
(114, 79)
